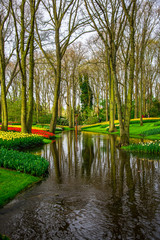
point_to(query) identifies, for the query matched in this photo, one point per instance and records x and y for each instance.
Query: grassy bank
(28, 168)
(12, 182)
(150, 129)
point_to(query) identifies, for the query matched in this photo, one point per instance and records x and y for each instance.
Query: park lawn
(95, 128)
(135, 129)
(12, 182)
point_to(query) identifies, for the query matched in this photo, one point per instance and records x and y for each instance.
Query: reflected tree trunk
(55, 155)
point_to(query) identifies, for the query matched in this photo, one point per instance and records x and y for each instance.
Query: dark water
(94, 191)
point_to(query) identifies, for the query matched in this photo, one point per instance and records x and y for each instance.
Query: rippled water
(93, 191)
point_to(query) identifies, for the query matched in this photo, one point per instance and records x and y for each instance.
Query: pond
(93, 191)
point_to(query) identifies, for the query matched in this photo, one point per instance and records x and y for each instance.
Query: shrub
(92, 120)
(62, 121)
(23, 162)
(45, 118)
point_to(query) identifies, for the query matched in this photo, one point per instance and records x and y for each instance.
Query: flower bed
(19, 141)
(40, 132)
(23, 162)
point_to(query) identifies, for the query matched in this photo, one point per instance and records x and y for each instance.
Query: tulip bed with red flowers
(40, 132)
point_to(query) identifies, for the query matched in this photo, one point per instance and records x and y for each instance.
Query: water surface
(93, 191)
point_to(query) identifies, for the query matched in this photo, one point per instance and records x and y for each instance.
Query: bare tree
(61, 25)
(6, 32)
(24, 42)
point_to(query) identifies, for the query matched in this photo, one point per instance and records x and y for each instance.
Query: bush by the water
(23, 162)
(150, 147)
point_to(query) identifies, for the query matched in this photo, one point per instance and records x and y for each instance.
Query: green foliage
(62, 121)
(104, 125)
(42, 126)
(155, 109)
(13, 182)
(151, 147)
(91, 120)
(157, 124)
(86, 92)
(14, 110)
(23, 162)
(3, 237)
(14, 123)
(45, 118)
(22, 143)
(151, 132)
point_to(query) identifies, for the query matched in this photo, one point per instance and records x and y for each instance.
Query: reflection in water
(93, 191)
(55, 155)
(87, 155)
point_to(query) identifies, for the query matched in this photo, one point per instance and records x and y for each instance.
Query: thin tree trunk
(74, 100)
(111, 93)
(37, 97)
(4, 113)
(136, 83)
(106, 100)
(144, 94)
(59, 107)
(31, 75)
(57, 83)
(70, 107)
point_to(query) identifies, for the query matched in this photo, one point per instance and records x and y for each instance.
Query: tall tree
(63, 21)
(3, 18)
(24, 42)
(6, 32)
(108, 20)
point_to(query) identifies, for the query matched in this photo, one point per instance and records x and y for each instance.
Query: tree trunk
(37, 97)
(57, 83)
(56, 96)
(23, 99)
(31, 76)
(106, 100)
(74, 101)
(70, 107)
(144, 94)
(136, 83)
(59, 107)
(23, 73)
(4, 113)
(111, 96)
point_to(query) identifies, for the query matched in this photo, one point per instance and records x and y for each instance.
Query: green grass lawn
(136, 131)
(12, 182)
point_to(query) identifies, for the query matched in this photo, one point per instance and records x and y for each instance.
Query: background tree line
(49, 72)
